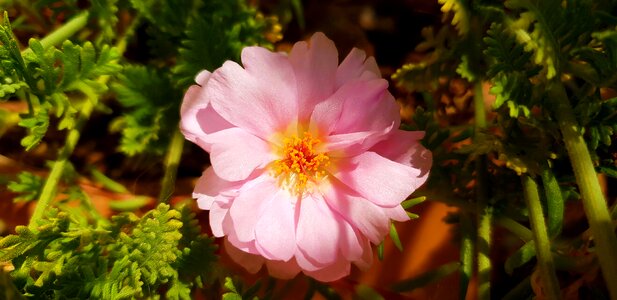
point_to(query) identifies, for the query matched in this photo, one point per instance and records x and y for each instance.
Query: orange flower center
(300, 164)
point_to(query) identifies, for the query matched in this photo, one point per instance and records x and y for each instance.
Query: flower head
(308, 164)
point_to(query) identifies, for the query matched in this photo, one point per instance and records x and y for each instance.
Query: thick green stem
(483, 210)
(515, 227)
(466, 253)
(594, 203)
(485, 219)
(64, 32)
(51, 184)
(540, 237)
(171, 166)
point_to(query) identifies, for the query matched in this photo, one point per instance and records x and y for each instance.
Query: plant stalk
(466, 253)
(594, 203)
(483, 211)
(51, 184)
(64, 32)
(172, 160)
(540, 237)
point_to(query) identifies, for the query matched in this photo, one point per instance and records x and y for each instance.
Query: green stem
(516, 228)
(484, 250)
(540, 237)
(594, 203)
(483, 210)
(171, 166)
(51, 184)
(64, 32)
(466, 253)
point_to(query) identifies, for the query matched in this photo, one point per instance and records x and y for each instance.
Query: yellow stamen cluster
(300, 165)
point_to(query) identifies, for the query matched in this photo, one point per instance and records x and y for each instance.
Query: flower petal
(339, 269)
(218, 213)
(260, 103)
(354, 66)
(248, 207)
(370, 219)
(317, 233)
(378, 179)
(251, 262)
(275, 231)
(350, 243)
(367, 257)
(369, 108)
(405, 148)
(235, 154)
(209, 187)
(315, 66)
(397, 213)
(283, 269)
(352, 144)
(355, 98)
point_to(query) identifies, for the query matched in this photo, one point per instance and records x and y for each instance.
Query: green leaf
(395, 238)
(27, 185)
(212, 38)
(37, 128)
(149, 99)
(461, 15)
(520, 257)
(130, 204)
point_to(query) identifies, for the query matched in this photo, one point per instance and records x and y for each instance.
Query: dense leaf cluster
(68, 256)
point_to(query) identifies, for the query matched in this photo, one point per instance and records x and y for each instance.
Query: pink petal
(354, 66)
(317, 232)
(397, 213)
(315, 66)
(355, 99)
(352, 144)
(252, 263)
(235, 154)
(202, 77)
(370, 219)
(198, 118)
(283, 269)
(350, 243)
(209, 186)
(275, 231)
(260, 101)
(306, 263)
(192, 97)
(218, 213)
(404, 147)
(378, 179)
(232, 238)
(338, 270)
(248, 207)
(372, 108)
(367, 257)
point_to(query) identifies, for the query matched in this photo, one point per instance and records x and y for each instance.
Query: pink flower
(308, 164)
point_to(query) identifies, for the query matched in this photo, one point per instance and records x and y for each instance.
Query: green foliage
(550, 29)
(130, 257)
(211, 39)
(460, 14)
(27, 185)
(509, 72)
(151, 104)
(50, 76)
